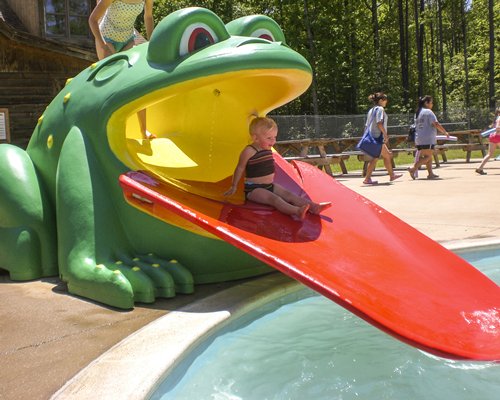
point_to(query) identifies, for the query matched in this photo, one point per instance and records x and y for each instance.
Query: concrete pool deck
(48, 336)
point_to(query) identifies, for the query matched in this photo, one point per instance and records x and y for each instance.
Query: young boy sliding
(256, 163)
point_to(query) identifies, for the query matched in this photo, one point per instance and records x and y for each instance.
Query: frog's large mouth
(201, 125)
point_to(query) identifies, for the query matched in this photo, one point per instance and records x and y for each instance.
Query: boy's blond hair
(261, 124)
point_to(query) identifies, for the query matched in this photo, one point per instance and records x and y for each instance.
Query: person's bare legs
(314, 208)
(369, 171)
(142, 124)
(264, 196)
(428, 166)
(141, 115)
(387, 156)
(491, 151)
(425, 158)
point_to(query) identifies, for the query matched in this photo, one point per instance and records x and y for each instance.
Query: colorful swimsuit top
(260, 164)
(118, 22)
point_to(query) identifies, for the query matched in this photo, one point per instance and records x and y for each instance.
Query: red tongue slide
(356, 254)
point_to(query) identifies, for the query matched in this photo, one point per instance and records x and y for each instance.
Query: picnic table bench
(325, 161)
(468, 141)
(325, 152)
(316, 151)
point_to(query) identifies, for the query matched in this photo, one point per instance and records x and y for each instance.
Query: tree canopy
(407, 48)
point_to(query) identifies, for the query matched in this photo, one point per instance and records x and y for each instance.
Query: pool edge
(134, 367)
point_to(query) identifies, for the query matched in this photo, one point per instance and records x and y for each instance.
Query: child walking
(256, 163)
(494, 142)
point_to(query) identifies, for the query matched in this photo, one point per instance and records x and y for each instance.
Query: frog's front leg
(95, 257)
(27, 220)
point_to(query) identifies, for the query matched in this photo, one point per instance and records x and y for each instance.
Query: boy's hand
(231, 191)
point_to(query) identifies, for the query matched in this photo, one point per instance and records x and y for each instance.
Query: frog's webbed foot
(129, 279)
(183, 279)
(153, 276)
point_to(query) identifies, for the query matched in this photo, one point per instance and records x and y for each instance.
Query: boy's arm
(239, 170)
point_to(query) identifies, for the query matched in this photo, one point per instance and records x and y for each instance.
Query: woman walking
(426, 125)
(376, 123)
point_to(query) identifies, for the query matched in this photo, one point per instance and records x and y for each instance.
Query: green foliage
(352, 59)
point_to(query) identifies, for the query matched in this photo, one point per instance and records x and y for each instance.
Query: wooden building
(42, 43)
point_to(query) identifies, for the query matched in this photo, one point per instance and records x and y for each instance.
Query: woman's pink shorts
(494, 138)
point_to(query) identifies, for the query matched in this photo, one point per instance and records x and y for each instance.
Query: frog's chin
(200, 125)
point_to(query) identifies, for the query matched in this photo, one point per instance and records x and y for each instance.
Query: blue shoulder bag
(368, 144)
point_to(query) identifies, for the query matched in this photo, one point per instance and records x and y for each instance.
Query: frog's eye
(258, 26)
(184, 32)
(263, 34)
(196, 37)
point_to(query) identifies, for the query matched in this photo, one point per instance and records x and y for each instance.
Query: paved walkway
(47, 336)
(455, 207)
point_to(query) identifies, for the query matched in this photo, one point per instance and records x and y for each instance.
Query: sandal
(433, 176)
(370, 182)
(396, 176)
(412, 173)
(480, 172)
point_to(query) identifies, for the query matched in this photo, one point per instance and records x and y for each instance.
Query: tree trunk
(376, 43)
(403, 54)
(352, 42)
(312, 49)
(441, 59)
(466, 54)
(491, 85)
(419, 33)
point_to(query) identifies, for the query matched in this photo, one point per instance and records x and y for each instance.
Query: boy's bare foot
(317, 208)
(301, 212)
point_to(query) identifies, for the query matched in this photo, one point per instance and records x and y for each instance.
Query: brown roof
(9, 17)
(12, 28)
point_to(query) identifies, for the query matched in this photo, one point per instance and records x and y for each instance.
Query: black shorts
(425, 146)
(249, 187)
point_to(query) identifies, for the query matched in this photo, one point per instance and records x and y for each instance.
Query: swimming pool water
(307, 347)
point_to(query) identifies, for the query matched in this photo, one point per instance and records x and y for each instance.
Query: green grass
(403, 159)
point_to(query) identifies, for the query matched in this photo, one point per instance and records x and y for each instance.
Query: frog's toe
(101, 283)
(183, 279)
(142, 285)
(162, 281)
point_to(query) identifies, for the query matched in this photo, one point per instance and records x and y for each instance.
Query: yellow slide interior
(201, 126)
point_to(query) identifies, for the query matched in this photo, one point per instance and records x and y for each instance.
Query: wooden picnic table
(323, 152)
(468, 141)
